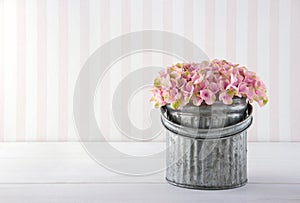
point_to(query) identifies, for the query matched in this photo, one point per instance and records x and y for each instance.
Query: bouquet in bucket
(210, 132)
(205, 83)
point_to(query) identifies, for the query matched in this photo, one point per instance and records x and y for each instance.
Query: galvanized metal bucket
(207, 145)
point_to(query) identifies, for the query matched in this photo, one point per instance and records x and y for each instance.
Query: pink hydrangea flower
(226, 98)
(208, 96)
(197, 100)
(206, 82)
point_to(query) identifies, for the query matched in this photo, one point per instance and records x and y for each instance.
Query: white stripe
(241, 31)
(94, 37)
(136, 21)
(10, 80)
(115, 18)
(114, 75)
(136, 62)
(284, 70)
(1, 68)
(52, 69)
(263, 41)
(178, 17)
(157, 14)
(177, 27)
(220, 29)
(199, 23)
(157, 24)
(95, 25)
(31, 69)
(73, 59)
(136, 24)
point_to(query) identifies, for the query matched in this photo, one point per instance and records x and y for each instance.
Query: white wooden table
(63, 172)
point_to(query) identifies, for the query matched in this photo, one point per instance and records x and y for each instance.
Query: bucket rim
(212, 133)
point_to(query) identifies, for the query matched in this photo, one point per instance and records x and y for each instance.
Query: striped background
(44, 43)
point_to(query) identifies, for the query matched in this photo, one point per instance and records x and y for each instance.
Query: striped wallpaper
(44, 43)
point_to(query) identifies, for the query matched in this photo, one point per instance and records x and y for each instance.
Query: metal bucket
(205, 116)
(201, 153)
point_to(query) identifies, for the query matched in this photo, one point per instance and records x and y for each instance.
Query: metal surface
(206, 133)
(202, 158)
(209, 116)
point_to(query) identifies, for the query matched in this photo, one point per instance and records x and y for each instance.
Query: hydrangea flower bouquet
(206, 82)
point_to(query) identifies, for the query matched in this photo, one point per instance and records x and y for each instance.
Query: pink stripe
(105, 34)
(42, 71)
(188, 19)
(125, 63)
(147, 57)
(63, 72)
(167, 24)
(147, 14)
(210, 28)
(84, 31)
(167, 15)
(274, 78)
(84, 34)
(21, 88)
(105, 20)
(231, 30)
(295, 71)
(252, 55)
(1, 75)
(126, 11)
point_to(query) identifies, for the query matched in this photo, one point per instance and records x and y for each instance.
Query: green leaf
(176, 104)
(156, 82)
